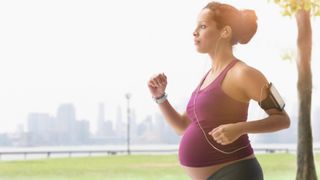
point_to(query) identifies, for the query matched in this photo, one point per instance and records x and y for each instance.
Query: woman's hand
(157, 85)
(227, 133)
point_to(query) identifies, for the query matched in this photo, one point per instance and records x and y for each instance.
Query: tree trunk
(305, 160)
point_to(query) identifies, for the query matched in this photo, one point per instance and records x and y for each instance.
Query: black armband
(273, 100)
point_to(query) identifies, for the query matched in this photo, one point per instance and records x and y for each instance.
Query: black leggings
(248, 169)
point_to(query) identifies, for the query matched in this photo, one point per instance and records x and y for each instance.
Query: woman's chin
(199, 50)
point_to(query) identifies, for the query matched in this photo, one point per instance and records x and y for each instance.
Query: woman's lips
(196, 42)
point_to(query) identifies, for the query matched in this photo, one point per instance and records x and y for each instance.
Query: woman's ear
(226, 32)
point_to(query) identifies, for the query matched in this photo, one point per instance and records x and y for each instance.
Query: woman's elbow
(180, 131)
(286, 121)
(182, 128)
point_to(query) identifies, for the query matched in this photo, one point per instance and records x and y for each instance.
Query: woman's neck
(221, 59)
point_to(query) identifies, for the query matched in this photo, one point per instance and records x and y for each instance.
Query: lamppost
(128, 96)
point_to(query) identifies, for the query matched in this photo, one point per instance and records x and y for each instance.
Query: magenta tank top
(213, 108)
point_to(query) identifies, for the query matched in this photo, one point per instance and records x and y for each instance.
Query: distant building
(4, 140)
(104, 127)
(65, 123)
(121, 128)
(40, 128)
(82, 131)
(63, 129)
(100, 120)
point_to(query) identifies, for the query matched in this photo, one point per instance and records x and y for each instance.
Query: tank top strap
(225, 71)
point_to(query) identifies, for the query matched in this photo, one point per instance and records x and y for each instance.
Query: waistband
(248, 169)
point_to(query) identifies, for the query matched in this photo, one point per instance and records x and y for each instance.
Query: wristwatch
(161, 99)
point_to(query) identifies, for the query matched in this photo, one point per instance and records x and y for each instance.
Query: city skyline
(63, 128)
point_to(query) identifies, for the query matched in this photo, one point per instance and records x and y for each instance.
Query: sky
(87, 52)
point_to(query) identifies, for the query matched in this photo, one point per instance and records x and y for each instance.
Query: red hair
(243, 23)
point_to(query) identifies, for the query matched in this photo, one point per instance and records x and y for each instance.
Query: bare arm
(253, 85)
(255, 88)
(276, 121)
(178, 122)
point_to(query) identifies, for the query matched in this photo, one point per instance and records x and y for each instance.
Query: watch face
(277, 96)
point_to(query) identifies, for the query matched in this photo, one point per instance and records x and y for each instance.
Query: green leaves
(288, 55)
(290, 7)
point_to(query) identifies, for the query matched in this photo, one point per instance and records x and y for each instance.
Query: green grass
(144, 167)
(282, 166)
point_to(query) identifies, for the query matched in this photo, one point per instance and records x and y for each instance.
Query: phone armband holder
(273, 100)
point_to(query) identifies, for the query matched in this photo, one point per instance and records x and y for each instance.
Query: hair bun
(248, 26)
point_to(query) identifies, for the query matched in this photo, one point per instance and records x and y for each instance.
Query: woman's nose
(195, 33)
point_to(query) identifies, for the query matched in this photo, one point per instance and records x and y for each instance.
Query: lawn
(144, 167)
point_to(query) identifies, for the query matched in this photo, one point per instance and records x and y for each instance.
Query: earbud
(224, 33)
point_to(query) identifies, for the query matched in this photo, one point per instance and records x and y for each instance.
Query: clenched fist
(226, 133)
(157, 85)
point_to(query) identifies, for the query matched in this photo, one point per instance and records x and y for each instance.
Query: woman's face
(206, 33)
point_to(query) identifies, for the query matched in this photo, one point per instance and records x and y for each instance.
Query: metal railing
(70, 153)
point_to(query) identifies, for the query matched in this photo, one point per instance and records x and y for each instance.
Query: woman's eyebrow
(204, 21)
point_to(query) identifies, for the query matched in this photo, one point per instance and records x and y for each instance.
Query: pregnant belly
(194, 149)
(197, 151)
(192, 154)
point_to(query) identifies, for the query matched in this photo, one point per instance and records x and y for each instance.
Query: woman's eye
(203, 26)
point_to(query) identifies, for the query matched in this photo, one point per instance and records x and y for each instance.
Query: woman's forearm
(272, 123)
(176, 120)
(228, 133)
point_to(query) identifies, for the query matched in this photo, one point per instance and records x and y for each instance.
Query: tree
(303, 9)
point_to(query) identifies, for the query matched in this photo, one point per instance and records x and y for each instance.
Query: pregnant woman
(215, 143)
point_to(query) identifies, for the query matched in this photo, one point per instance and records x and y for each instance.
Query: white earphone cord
(261, 93)
(205, 135)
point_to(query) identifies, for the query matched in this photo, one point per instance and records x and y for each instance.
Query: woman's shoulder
(245, 72)
(249, 80)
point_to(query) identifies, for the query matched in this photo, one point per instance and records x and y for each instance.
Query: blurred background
(74, 73)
